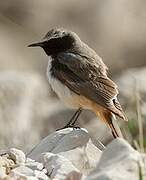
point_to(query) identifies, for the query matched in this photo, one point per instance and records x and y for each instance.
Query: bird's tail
(116, 132)
(108, 118)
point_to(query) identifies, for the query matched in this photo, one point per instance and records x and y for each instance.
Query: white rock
(84, 158)
(59, 141)
(75, 145)
(7, 163)
(2, 172)
(73, 156)
(119, 161)
(17, 156)
(70, 140)
(40, 175)
(22, 170)
(58, 167)
(34, 165)
(44, 170)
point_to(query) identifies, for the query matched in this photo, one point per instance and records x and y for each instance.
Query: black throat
(57, 45)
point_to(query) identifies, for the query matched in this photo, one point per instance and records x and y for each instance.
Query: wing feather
(85, 77)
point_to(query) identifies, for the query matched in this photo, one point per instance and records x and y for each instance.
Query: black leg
(74, 118)
(77, 116)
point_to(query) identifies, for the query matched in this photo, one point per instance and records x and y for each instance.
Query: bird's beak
(36, 44)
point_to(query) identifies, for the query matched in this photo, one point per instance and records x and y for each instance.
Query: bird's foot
(69, 126)
(76, 127)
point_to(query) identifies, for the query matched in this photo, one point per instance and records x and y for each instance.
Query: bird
(79, 77)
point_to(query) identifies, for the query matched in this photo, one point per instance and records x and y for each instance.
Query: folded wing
(87, 77)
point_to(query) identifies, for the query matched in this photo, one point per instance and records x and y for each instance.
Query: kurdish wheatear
(79, 77)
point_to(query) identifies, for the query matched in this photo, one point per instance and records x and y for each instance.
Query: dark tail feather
(114, 128)
(108, 118)
(116, 133)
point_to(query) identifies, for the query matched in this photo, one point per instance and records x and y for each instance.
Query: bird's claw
(69, 126)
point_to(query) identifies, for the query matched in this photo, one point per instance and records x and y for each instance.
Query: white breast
(69, 98)
(60, 89)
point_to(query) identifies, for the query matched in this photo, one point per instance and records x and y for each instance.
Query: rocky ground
(71, 154)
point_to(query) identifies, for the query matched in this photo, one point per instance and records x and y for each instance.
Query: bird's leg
(77, 116)
(74, 118)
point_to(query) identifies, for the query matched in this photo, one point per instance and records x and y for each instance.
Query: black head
(56, 41)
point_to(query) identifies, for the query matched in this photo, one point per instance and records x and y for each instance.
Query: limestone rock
(2, 172)
(59, 141)
(6, 164)
(119, 161)
(14, 165)
(71, 155)
(58, 167)
(73, 144)
(40, 175)
(34, 165)
(17, 156)
(22, 171)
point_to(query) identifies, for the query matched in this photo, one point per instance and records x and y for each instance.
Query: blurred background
(116, 30)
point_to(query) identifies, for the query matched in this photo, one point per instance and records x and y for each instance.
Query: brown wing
(88, 78)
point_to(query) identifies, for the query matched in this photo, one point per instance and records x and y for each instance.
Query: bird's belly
(69, 98)
(63, 92)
